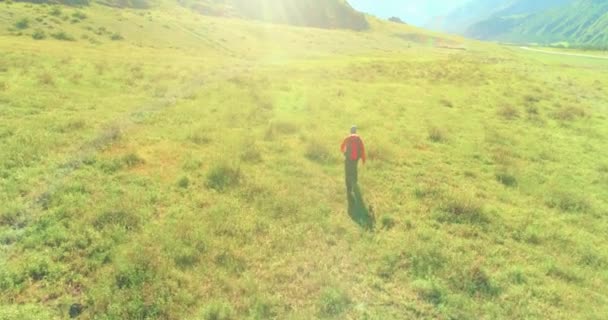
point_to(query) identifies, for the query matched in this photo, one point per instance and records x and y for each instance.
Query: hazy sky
(417, 12)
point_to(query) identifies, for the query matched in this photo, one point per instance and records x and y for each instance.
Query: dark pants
(350, 174)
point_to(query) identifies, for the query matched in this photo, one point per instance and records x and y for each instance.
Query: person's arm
(343, 146)
(363, 158)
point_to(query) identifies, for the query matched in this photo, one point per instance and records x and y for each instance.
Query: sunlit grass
(166, 176)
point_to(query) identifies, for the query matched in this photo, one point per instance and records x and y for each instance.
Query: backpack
(353, 141)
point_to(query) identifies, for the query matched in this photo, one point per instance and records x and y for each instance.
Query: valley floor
(191, 170)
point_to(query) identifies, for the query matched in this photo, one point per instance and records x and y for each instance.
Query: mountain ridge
(573, 22)
(577, 23)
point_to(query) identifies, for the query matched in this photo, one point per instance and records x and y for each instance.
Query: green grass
(193, 172)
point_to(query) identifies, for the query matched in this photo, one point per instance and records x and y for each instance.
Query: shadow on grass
(357, 209)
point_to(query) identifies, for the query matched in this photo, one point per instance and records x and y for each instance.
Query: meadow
(159, 164)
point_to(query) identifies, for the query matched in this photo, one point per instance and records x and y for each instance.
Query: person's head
(353, 129)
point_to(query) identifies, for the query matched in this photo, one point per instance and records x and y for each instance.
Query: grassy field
(158, 164)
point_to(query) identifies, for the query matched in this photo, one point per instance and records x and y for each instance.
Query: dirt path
(566, 53)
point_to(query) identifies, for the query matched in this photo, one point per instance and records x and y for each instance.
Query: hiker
(353, 150)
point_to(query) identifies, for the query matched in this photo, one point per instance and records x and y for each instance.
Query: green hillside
(580, 23)
(313, 13)
(162, 164)
(330, 14)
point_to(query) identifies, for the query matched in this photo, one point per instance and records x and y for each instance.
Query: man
(353, 150)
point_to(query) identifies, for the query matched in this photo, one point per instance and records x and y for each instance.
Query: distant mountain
(577, 22)
(461, 18)
(331, 14)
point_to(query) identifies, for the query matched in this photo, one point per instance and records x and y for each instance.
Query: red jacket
(356, 147)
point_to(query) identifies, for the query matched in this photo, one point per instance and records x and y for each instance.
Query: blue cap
(353, 129)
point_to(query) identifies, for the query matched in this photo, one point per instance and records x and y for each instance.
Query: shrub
(563, 274)
(116, 37)
(75, 2)
(389, 265)
(532, 110)
(285, 127)
(476, 281)
(462, 204)
(317, 152)
(446, 103)
(73, 125)
(280, 127)
(79, 15)
(39, 35)
(426, 261)
(55, 11)
(508, 112)
(187, 244)
(192, 164)
(506, 179)
(38, 268)
(222, 177)
(110, 166)
(46, 79)
(429, 291)
(593, 260)
(76, 77)
(132, 275)
(517, 276)
(108, 136)
(462, 208)
(422, 192)
(569, 113)
(231, 262)
(12, 217)
(567, 201)
(437, 134)
(117, 218)
(62, 35)
(333, 302)
(100, 31)
(186, 256)
(218, 311)
(387, 222)
(23, 23)
(250, 153)
(183, 182)
(262, 309)
(531, 99)
(132, 160)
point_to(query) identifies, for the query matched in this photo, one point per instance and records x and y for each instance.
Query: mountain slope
(463, 17)
(312, 13)
(329, 14)
(578, 22)
(582, 22)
